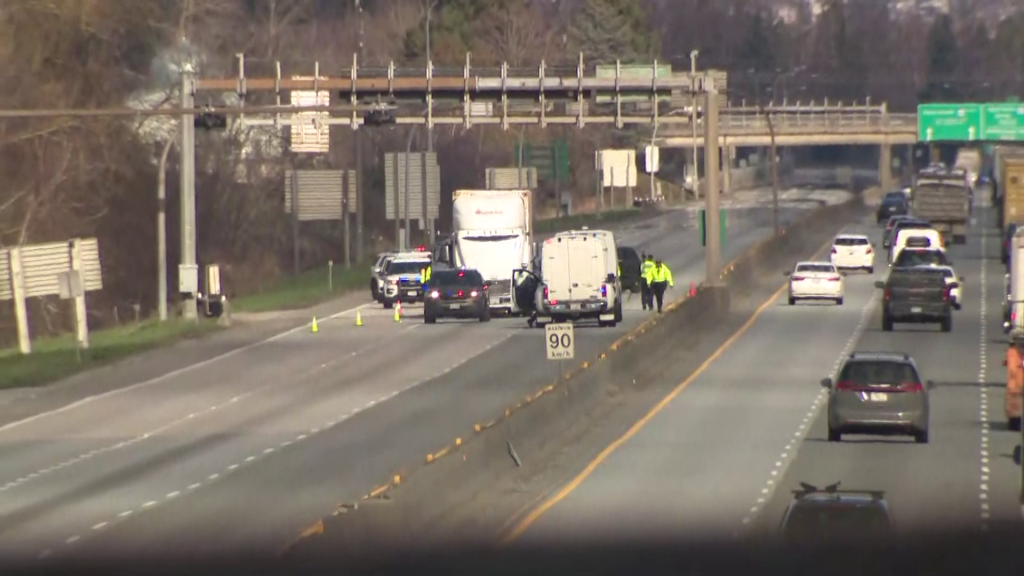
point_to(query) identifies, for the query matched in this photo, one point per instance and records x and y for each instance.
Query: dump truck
(1010, 181)
(943, 198)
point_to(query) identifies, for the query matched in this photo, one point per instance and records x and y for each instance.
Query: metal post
(295, 220)
(360, 253)
(693, 121)
(430, 126)
(775, 174)
(712, 225)
(885, 166)
(405, 198)
(161, 233)
(188, 190)
(424, 220)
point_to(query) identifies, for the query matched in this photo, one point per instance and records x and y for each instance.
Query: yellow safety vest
(425, 273)
(645, 268)
(660, 274)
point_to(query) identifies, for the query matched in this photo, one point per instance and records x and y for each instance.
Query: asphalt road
(240, 454)
(720, 459)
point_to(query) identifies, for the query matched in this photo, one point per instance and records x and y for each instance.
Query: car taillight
(460, 294)
(945, 293)
(911, 387)
(545, 292)
(834, 251)
(846, 386)
(870, 251)
(886, 293)
(473, 294)
(797, 278)
(834, 278)
(604, 290)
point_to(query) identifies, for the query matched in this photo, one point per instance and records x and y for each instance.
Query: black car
(826, 514)
(1011, 229)
(893, 204)
(629, 264)
(916, 296)
(456, 294)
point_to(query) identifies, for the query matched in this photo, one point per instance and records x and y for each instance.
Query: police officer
(659, 278)
(646, 297)
(425, 277)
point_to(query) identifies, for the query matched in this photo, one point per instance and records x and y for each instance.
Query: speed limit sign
(560, 341)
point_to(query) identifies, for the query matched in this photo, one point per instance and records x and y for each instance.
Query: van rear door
(587, 266)
(555, 269)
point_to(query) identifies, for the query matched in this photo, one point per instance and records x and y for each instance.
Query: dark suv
(892, 204)
(456, 294)
(878, 393)
(629, 268)
(916, 296)
(827, 514)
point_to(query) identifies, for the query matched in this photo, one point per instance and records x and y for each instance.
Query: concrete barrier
(423, 493)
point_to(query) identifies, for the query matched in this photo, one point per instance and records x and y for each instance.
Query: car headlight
(435, 294)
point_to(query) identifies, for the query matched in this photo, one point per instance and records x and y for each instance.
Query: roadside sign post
(560, 342)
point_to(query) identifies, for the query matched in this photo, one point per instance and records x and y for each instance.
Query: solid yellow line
(569, 488)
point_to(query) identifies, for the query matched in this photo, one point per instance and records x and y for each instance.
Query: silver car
(878, 393)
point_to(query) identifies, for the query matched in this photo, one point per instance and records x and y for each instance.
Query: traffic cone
(313, 327)
(398, 312)
(693, 289)
(359, 318)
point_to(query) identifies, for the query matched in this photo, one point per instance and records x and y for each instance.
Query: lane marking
(523, 525)
(983, 487)
(176, 372)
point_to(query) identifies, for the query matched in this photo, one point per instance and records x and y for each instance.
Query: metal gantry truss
(452, 99)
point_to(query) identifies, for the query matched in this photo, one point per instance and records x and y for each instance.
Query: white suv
(853, 251)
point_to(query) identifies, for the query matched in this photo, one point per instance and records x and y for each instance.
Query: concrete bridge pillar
(728, 155)
(885, 167)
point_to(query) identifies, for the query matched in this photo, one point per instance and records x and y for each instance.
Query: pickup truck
(916, 296)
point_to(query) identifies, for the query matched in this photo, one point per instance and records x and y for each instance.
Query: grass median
(606, 218)
(55, 358)
(307, 289)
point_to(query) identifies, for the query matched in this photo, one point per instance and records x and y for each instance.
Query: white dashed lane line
(983, 390)
(267, 451)
(791, 446)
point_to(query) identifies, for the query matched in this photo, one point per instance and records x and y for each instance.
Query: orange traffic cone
(693, 289)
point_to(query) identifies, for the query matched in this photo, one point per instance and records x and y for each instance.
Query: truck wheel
(886, 323)
(834, 435)
(618, 311)
(792, 301)
(1013, 424)
(429, 318)
(485, 316)
(871, 269)
(947, 323)
(839, 301)
(921, 436)
(388, 304)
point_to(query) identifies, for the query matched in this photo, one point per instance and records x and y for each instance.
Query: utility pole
(712, 222)
(161, 232)
(428, 223)
(359, 152)
(188, 271)
(693, 120)
(775, 172)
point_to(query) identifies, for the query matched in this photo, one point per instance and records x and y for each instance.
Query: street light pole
(775, 171)
(428, 223)
(693, 120)
(161, 229)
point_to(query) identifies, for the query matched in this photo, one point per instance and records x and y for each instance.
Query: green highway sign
(1003, 121)
(956, 122)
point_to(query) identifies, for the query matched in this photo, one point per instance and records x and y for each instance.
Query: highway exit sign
(1003, 121)
(954, 122)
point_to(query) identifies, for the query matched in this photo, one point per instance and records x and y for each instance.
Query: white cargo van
(578, 279)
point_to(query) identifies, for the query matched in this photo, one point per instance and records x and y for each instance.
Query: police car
(403, 278)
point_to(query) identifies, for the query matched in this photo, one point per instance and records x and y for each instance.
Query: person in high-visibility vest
(646, 296)
(425, 277)
(660, 278)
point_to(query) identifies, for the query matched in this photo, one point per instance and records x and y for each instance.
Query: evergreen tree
(758, 51)
(606, 30)
(943, 61)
